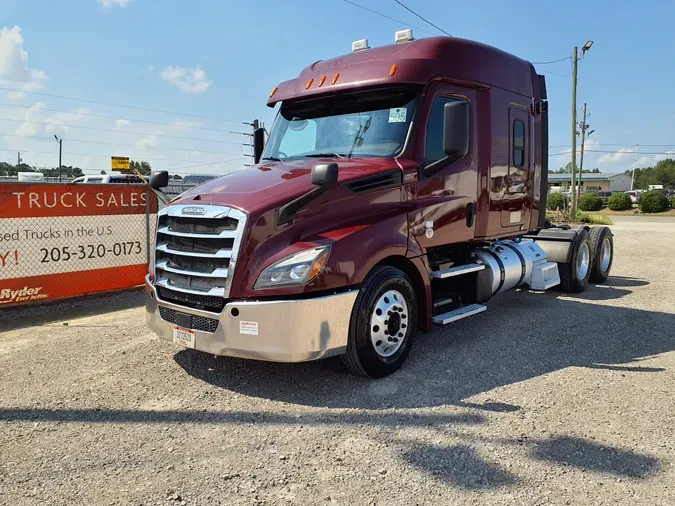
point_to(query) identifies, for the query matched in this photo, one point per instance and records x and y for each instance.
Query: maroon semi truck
(400, 187)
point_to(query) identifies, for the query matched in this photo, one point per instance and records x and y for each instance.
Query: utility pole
(583, 126)
(632, 177)
(254, 124)
(18, 160)
(60, 141)
(575, 58)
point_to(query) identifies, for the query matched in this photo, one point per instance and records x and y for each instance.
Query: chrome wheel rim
(583, 257)
(389, 323)
(605, 255)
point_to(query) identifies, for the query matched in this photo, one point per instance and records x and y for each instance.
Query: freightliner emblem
(193, 210)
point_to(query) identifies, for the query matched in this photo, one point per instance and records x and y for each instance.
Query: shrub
(672, 203)
(590, 202)
(555, 202)
(619, 202)
(653, 202)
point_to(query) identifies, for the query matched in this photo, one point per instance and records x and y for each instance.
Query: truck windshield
(364, 124)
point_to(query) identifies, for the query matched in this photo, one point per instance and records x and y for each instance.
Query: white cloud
(14, 70)
(59, 120)
(195, 153)
(32, 114)
(107, 4)
(183, 124)
(121, 123)
(668, 154)
(621, 156)
(186, 80)
(147, 142)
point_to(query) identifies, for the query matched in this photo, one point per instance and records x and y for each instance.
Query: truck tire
(574, 275)
(382, 325)
(602, 249)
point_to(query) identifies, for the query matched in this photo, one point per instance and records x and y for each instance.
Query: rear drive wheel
(574, 275)
(602, 248)
(382, 325)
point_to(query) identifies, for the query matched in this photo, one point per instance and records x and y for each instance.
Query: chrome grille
(201, 323)
(202, 302)
(196, 250)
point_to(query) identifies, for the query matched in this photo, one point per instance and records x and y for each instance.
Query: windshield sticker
(397, 115)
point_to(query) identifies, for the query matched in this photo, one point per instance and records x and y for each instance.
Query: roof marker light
(360, 45)
(403, 36)
(273, 92)
(323, 80)
(393, 69)
(335, 78)
(309, 83)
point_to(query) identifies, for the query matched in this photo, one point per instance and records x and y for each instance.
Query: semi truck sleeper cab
(400, 187)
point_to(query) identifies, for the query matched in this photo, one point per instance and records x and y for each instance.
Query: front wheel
(382, 325)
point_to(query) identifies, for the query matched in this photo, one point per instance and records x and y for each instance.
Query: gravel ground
(543, 399)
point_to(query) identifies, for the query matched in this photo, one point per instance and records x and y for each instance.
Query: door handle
(470, 213)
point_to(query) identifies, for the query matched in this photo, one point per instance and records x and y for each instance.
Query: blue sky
(220, 59)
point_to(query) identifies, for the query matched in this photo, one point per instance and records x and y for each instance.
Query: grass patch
(581, 217)
(593, 218)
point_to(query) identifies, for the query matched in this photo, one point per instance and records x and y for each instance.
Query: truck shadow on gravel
(522, 335)
(19, 317)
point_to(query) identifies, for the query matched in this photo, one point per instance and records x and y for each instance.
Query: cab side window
(434, 146)
(518, 144)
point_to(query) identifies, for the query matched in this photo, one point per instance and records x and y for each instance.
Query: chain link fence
(60, 240)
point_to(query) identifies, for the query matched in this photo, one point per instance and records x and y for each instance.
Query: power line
(147, 109)
(423, 19)
(102, 156)
(210, 163)
(628, 152)
(187, 127)
(632, 150)
(552, 61)
(119, 131)
(387, 17)
(117, 144)
(555, 74)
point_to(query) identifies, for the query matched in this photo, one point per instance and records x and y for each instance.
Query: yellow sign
(119, 163)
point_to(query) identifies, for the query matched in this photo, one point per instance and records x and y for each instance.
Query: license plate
(184, 337)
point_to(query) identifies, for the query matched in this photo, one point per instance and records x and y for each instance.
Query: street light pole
(60, 141)
(575, 60)
(573, 188)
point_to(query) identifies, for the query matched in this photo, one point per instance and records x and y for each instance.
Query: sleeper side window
(518, 144)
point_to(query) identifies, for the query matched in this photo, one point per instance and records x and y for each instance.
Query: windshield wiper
(271, 158)
(325, 155)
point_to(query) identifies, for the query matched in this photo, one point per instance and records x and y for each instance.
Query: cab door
(445, 200)
(516, 202)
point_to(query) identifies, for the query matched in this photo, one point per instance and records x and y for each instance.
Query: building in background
(615, 182)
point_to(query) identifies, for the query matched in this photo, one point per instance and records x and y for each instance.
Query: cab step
(457, 270)
(458, 314)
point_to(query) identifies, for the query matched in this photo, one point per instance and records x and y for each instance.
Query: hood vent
(376, 182)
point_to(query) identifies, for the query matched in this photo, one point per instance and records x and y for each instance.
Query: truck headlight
(297, 269)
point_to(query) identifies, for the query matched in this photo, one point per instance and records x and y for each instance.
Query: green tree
(143, 167)
(177, 177)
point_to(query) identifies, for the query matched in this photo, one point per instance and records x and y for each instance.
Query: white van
(106, 179)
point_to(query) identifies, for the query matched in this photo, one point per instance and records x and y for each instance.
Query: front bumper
(286, 330)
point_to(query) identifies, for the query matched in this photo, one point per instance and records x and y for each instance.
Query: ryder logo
(8, 295)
